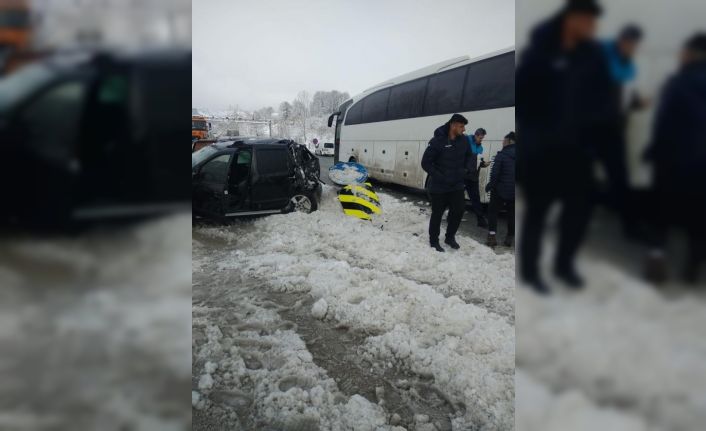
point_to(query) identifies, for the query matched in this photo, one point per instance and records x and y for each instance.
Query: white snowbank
(618, 343)
(450, 315)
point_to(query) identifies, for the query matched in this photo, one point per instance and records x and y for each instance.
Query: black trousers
(496, 202)
(573, 224)
(455, 201)
(474, 196)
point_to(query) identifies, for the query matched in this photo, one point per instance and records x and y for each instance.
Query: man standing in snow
(563, 91)
(502, 191)
(476, 143)
(448, 160)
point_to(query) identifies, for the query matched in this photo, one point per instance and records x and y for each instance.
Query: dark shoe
(491, 241)
(656, 269)
(437, 246)
(452, 243)
(570, 277)
(508, 240)
(482, 222)
(538, 286)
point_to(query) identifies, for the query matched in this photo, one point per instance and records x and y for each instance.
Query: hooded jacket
(678, 145)
(447, 162)
(564, 100)
(502, 176)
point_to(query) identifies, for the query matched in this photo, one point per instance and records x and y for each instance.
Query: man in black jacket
(678, 154)
(502, 191)
(563, 89)
(448, 161)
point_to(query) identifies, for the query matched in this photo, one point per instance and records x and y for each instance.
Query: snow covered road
(426, 325)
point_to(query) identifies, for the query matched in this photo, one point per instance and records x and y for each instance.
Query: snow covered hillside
(429, 336)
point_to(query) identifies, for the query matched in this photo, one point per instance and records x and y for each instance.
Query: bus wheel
(426, 188)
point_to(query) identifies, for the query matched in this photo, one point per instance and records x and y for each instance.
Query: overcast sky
(258, 53)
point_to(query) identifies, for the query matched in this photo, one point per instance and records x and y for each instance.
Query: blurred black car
(94, 135)
(254, 176)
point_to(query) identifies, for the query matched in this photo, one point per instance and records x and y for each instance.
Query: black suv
(252, 176)
(88, 135)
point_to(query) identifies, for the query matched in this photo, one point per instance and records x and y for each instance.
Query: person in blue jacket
(611, 150)
(448, 161)
(476, 143)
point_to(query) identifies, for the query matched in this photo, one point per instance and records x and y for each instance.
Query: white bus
(387, 127)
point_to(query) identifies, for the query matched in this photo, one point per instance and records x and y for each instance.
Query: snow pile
(450, 316)
(319, 309)
(95, 329)
(540, 410)
(265, 374)
(619, 343)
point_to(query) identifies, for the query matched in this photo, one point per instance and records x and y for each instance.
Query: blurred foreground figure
(678, 154)
(564, 105)
(611, 151)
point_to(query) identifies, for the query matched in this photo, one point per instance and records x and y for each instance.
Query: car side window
(53, 120)
(241, 167)
(216, 169)
(272, 162)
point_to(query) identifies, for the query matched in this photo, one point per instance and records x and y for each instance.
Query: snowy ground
(621, 355)
(327, 322)
(94, 329)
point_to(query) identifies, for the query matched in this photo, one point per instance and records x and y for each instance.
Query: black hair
(480, 132)
(511, 136)
(458, 118)
(583, 6)
(631, 32)
(696, 43)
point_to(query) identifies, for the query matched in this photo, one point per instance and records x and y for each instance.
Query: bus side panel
(407, 163)
(384, 160)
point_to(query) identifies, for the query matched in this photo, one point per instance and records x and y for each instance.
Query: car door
(271, 180)
(209, 186)
(238, 196)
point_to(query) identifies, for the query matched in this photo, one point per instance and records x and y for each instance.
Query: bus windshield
(198, 125)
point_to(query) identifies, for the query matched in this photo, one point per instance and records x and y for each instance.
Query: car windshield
(202, 154)
(14, 18)
(15, 86)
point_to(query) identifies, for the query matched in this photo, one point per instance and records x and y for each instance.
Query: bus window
(355, 114)
(490, 84)
(375, 106)
(406, 100)
(445, 91)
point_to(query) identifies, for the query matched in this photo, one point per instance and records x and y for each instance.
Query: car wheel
(303, 202)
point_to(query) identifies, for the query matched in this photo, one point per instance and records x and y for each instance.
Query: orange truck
(199, 127)
(15, 33)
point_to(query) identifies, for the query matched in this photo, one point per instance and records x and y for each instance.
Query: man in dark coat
(502, 191)
(678, 154)
(563, 90)
(448, 161)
